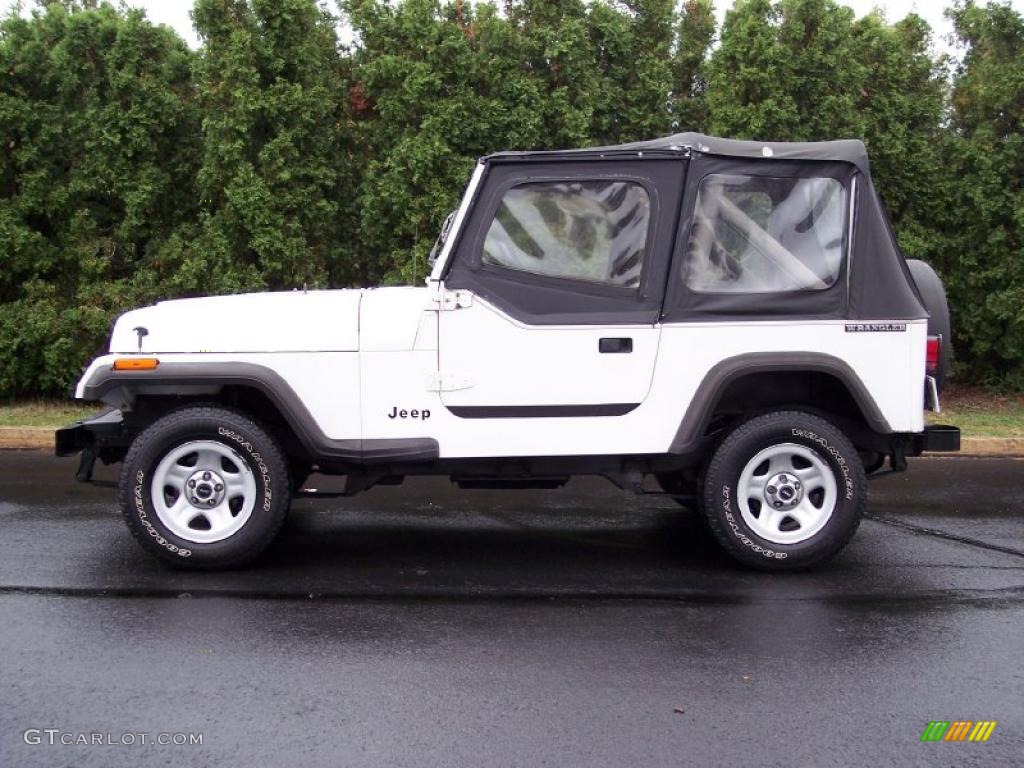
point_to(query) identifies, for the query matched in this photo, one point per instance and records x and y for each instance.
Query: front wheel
(784, 491)
(204, 487)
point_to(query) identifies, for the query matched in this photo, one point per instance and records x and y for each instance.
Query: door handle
(615, 345)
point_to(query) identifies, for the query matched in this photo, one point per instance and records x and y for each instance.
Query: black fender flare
(179, 378)
(702, 406)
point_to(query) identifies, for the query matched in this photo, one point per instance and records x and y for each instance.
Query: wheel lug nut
(796, 484)
(206, 475)
(218, 487)
(191, 483)
(778, 503)
(195, 500)
(771, 489)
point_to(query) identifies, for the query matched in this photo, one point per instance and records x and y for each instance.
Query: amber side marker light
(136, 364)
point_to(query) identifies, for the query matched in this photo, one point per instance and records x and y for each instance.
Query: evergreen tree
(786, 71)
(275, 180)
(694, 35)
(984, 256)
(132, 168)
(100, 141)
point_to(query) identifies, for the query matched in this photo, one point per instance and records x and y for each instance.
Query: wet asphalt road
(427, 626)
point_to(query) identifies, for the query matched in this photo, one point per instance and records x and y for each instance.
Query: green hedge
(134, 169)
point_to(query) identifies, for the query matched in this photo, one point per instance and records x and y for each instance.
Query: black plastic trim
(615, 345)
(69, 440)
(317, 445)
(540, 411)
(940, 438)
(703, 404)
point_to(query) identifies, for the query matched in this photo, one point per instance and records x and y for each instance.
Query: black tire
(250, 454)
(830, 452)
(929, 285)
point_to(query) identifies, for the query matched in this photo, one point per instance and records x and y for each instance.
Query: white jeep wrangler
(732, 318)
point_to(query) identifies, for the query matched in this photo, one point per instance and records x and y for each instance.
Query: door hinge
(448, 382)
(449, 300)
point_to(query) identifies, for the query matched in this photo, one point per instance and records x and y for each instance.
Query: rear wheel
(204, 487)
(784, 491)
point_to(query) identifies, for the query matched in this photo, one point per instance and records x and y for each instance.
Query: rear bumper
(937, 438)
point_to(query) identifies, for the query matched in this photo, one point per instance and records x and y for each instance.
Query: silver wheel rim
(787, 493)
(203, 491)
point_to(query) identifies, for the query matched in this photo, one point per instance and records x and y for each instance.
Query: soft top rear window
(766, 234)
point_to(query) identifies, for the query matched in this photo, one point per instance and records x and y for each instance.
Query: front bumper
(82, 434)
(103, 436)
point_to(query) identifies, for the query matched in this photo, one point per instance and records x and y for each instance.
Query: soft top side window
(766, 234)
(588, 230)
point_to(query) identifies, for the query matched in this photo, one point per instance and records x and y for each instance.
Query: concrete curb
(41, 438)
(27, 437)
(990, 446)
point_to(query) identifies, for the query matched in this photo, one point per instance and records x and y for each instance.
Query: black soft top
(878, 285)
(846, 150)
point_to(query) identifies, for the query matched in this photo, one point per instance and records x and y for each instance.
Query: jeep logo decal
(413, 414)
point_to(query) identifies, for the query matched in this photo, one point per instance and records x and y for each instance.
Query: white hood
(296, 321)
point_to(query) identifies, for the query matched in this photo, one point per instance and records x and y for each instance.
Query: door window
(594, 231)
